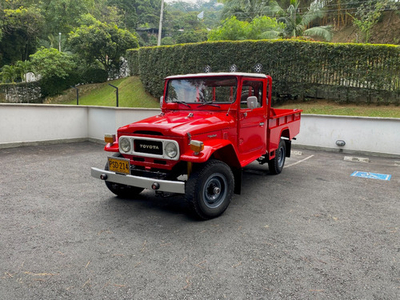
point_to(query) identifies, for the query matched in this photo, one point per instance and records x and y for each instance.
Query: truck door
(252, 122)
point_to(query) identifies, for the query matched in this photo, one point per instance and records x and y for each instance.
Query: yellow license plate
(119, 165)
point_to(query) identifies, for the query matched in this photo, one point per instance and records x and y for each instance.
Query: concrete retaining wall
(21, 123)
(29, 124)
(361, 134)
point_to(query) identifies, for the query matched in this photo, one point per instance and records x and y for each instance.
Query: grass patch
(323, 107)
(131, 93)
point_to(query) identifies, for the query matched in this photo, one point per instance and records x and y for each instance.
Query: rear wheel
(276, 164)
(209, 189)
(121, 190)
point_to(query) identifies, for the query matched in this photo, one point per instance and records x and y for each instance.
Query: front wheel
(121, 190)
(276, 164)
(209, 189)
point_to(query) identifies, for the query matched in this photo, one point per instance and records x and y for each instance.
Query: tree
(106, 12)
(246, 10)
(52, 63)
(102, 42)
(232, 29)
(211, 8)
(14, 4)
(191, 36)
(64, 15)
(23, 67)
(265, 28)
(368, 15)
(1, 22)
(56, 69)
(9, 73)
(21, 28)
(138, 12)
(259, 28)
(297, 23)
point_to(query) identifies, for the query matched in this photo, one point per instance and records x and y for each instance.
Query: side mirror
(252, 102)
(161, 100)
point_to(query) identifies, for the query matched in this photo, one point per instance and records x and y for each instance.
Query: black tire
(121, 190)
(276, 164)
(209, 189)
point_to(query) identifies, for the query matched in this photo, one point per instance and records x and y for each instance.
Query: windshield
(202, 90)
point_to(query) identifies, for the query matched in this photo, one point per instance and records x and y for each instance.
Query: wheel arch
(228, 155)
(285, 134)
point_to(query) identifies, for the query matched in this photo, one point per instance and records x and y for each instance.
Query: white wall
(107, 120)
(23, 123)
(30, 123)
(361, 134)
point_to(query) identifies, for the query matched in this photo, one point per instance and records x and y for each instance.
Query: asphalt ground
(312, 232)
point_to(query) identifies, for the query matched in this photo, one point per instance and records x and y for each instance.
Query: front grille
(146, 146)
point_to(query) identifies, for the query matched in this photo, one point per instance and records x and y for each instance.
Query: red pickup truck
(211, 126)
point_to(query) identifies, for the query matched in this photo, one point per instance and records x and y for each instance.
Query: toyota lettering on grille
(151, 147)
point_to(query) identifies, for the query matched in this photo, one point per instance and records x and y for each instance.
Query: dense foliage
(368, 15)
(25, 25)
(296, 21)
(300, 69)
(65, 42)
(103, 43)
(94, 34)
(21, 27)
(258, 28)
(190, 22)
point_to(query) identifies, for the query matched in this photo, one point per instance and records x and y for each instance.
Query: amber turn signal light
(196, 146)
(109, 138)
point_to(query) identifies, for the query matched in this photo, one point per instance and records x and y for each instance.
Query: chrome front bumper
(142, 182)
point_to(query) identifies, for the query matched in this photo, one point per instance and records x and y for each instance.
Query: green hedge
(133, 61)
(300, 69)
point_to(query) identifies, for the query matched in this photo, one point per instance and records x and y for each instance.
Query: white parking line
(298, 162)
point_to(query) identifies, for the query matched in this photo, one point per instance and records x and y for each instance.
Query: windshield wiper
(209, 103)
(182, 102)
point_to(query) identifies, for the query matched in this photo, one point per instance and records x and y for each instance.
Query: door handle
(262, 124)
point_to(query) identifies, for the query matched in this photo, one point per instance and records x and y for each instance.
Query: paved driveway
(312, 232)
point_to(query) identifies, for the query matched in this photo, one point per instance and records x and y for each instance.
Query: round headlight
(171, 150)
(125, 145)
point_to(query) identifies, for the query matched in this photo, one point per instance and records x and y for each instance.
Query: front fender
(210, 147)
(111, 147)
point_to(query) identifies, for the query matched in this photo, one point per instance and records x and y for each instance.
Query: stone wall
(24, 92)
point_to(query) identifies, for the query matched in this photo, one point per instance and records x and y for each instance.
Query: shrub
(133, 61)
(54, 85)
(94, 75)
(300, 69)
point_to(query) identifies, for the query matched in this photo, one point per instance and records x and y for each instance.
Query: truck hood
(180, 123)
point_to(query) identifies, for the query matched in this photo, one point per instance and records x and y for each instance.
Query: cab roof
(216, 74)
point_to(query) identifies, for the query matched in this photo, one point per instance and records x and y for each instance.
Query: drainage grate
(357, 159)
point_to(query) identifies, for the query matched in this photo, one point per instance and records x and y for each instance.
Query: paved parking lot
(312, 232)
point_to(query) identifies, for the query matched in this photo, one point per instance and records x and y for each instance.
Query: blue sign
(371, 175)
